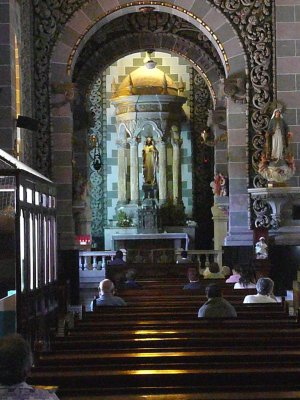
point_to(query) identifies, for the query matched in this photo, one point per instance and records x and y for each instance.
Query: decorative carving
(122, 32)
(252, 20)
(263, 213)
(97, 179)
(235, 88)
(66, 93)
(203, 157)
(26, 52)
(49, 18)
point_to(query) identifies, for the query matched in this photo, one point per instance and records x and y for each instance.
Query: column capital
(176, 142)
(134, 141)
(121, 144)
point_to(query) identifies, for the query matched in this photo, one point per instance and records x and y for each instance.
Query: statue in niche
(277, 163)
(261, 249)
(277, 137)
(150, 162)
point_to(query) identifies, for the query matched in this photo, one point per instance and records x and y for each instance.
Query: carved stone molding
(235, 88)
(49, 18)
(253, 21)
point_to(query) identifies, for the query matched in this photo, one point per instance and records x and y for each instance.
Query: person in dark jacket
(216, 306)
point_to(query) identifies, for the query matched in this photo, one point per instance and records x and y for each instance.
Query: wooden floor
(156, 348)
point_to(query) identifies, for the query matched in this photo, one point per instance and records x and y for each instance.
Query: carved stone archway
(244, 32)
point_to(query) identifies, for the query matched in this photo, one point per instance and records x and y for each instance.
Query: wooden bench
(157, 346)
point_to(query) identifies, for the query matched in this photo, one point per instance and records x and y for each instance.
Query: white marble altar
(118, 240)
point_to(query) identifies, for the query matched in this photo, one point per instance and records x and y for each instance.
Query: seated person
(264, 287)
(183, 259)
(193, 278)
(118, 259)
(15, 364)
(247, 279)
(130, 282)
(216, 306)
(213, 272)
(107, 296)
(226, 271)
(235, 276)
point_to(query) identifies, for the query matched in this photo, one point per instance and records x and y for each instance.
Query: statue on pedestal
(277, 163)
(150, 162)
(261, 249)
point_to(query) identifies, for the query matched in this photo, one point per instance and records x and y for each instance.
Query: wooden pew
(148, 349)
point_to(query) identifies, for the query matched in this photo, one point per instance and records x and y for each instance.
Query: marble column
(220, 218)
(134, 171)
(122, 168)
(176, 170)
(162, 161)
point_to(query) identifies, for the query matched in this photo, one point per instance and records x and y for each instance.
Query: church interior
(153, 128)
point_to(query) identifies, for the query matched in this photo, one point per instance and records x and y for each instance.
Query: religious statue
(261, 249)
(276, 163)
(219, 185)
(150, 161)
(277, 137)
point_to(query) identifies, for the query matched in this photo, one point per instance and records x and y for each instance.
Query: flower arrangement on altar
(124, 220)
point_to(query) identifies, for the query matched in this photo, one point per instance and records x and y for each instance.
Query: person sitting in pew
(264, 287)
(235, 276)
(213, 272)
(247, 279)
(107, 296)
(216, 306)
(131, 282)
(193, 278)
(183, 258)
(15, 365)
(118, 258)
(226, 271)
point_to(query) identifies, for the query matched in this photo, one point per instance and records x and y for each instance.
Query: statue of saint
(277, 137)
(261, 249)
(150, 160)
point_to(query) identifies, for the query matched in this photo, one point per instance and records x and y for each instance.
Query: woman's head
(214, 268)
(247, 275)
(265, 286)
(15, 359)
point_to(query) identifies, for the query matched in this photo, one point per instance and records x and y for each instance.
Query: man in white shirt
(264, 287)
(107, 295)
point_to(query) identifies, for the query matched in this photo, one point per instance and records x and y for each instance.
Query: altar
(150, 240)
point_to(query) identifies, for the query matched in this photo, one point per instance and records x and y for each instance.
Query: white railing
(97, 260)
(207, 255)
(91, 260)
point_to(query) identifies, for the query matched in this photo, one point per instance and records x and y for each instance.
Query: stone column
(239, 233)
(176, 143)
(122, 168)
(162, 165)
(134, 171)
(220, 218)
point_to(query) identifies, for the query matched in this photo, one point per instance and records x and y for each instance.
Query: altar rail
(97, 260)
(204, 256)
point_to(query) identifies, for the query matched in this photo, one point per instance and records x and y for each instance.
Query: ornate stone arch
(242, 29)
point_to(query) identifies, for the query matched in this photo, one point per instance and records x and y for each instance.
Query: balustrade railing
(97, 260)
(204, 257)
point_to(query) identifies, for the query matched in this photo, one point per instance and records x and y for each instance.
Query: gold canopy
(146, 81)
